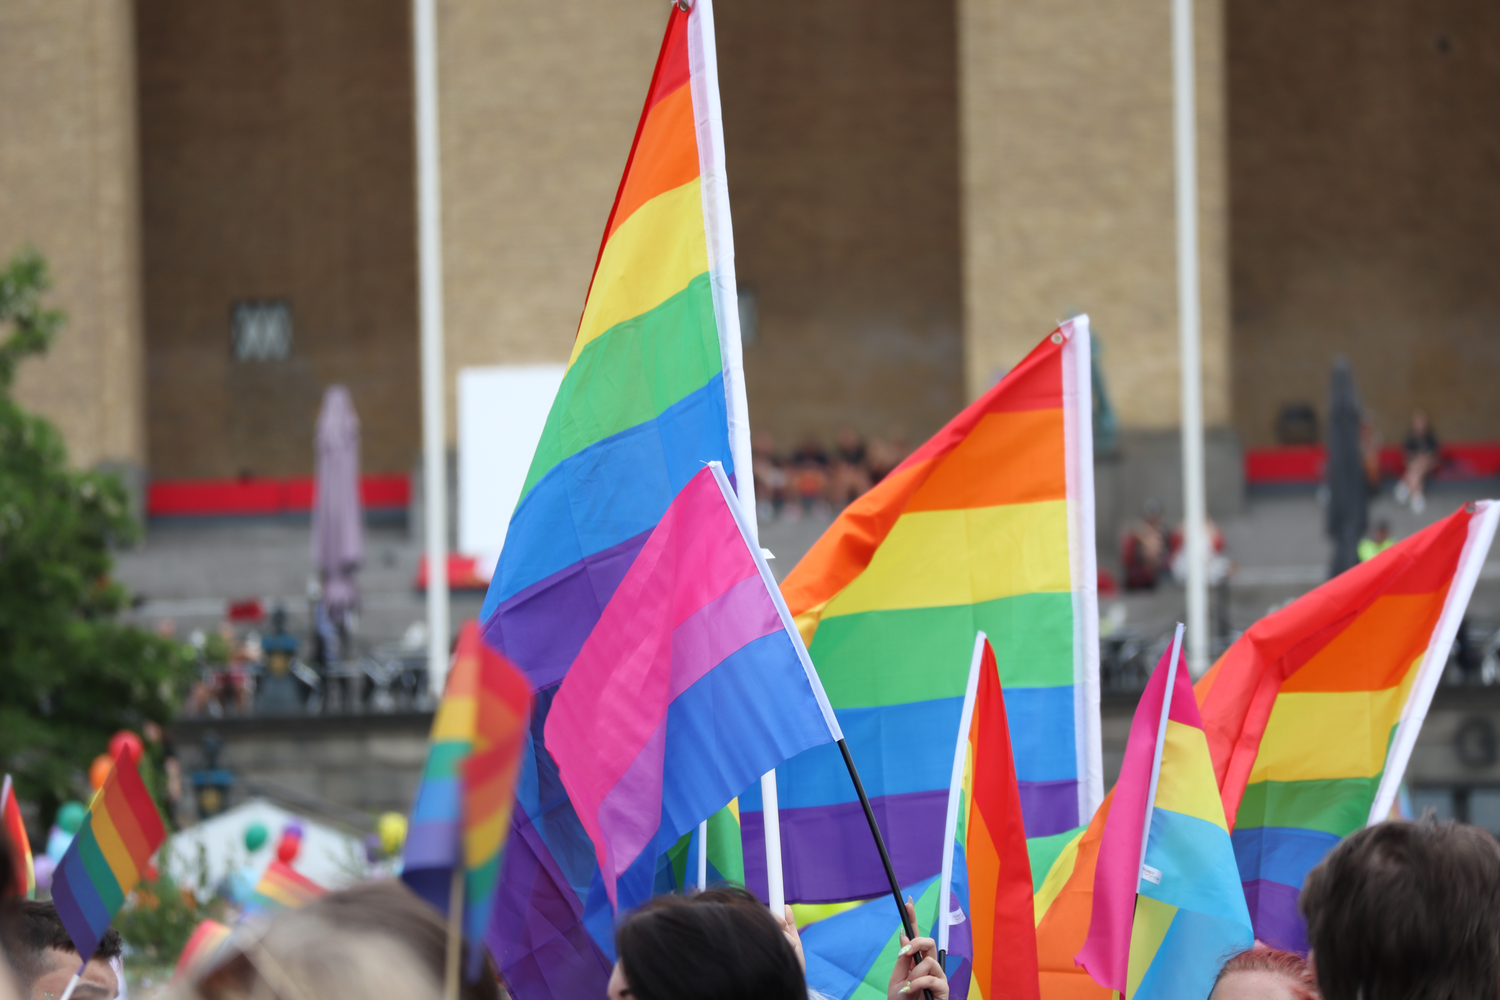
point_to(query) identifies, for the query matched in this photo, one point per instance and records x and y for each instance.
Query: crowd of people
(813, 477)
(1397, 911)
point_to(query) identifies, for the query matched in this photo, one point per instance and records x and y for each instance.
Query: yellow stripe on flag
(650, 258)
(1317, 735)
(1187, 783)
(941, 558)
(112, 846)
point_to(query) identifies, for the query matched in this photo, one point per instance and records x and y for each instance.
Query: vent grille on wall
(261, 330)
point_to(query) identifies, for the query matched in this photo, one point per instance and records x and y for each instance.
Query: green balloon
(70, 816)
(255, 836)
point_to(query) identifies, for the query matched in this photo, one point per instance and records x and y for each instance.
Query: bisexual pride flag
(692, 685)
(988, 526)
(1168, 909)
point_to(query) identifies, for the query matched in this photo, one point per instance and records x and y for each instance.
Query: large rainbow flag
(653, 390)
(1360, 655)
(107, 856)
(1168, 908)
(988, 526)
(1311, 716)
(463, 804)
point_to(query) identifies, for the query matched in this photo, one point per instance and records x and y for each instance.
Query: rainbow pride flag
(107, 856)
(693, 684)
(281, 887)
(850, 954)
(653, 390)
(1311, 716)
(988, 526)
(986, 828)
(1167, 909)
(463, 805)
(20, 844)
(205, 941)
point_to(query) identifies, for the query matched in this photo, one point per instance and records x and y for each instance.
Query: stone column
(1067, 180)
(69, 170)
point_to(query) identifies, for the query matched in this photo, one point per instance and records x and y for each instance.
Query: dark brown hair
(1290, 968)
(1406, 911)
(33, 928)
(718, 945)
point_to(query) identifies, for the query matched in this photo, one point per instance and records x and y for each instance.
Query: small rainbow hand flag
(281, 887)
(108, 854)
(204, 943)
(468, 791)
(15, 832)
(1168, 909)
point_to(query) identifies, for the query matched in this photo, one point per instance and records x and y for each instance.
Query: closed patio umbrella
(338, 522)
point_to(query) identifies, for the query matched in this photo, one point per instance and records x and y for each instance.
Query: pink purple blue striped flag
(692, 685)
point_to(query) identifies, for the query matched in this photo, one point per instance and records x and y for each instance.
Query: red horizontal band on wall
(240, 497)
(1304, 463)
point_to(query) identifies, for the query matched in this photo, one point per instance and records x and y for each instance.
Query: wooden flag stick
(455, 934)
(885, 856)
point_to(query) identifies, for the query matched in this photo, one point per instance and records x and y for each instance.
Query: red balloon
(99, 770)
(130, 743)
(287, 849)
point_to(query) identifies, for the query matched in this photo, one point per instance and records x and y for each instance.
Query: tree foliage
(71, 673)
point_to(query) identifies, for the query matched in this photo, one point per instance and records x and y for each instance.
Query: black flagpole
(885, 856)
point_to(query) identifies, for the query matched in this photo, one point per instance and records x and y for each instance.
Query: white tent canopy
(205, 854)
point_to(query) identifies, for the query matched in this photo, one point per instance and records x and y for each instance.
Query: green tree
(71, 673)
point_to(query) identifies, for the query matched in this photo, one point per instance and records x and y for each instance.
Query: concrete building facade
(920, 192)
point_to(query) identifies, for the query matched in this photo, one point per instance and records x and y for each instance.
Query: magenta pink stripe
(1106, 951)
(692, 597)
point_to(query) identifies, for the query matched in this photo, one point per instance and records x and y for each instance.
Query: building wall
(841, 152)
(1366, 215)
(841, 136)
(277, 159)
(68, 172)
(538, 106)
(1068, 193)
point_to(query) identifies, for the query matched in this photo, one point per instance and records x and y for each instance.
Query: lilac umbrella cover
(338, 521)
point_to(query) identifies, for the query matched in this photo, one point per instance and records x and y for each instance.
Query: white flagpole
(1435, 659)
(955, 789)
(434, 374)
(703, 855)
(1189, 327)
(1161, 742)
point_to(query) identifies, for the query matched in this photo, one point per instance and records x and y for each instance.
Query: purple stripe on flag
(536, 932)
(433, 844)
(1049, 807)
(835, 857)
(729, 622)
(1273, 911)
(542, 628)
(73, 905)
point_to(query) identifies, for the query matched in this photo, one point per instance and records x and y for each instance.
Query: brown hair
(1406, 911)
(1290, 968)
(33, 928)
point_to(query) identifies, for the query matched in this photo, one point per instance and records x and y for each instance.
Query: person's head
(305, 955)
(718, 945)
(44, 958)
(1265, 974)
(1382, 531)
(1405, 911)
(1419, 420)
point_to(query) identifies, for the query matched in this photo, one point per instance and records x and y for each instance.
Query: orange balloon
(99, 770)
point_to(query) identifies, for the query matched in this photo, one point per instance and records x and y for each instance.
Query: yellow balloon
(392, 829)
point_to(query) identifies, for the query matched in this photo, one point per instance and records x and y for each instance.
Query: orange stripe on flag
(666, 156)
(1032, 439)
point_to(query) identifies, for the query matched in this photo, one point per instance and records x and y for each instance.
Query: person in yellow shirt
(1380, 539)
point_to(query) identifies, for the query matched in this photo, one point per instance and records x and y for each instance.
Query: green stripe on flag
(1043, 853)
(630, 374)
(1337, 805)
(445, 758)
(100, 874)
(880, 658)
